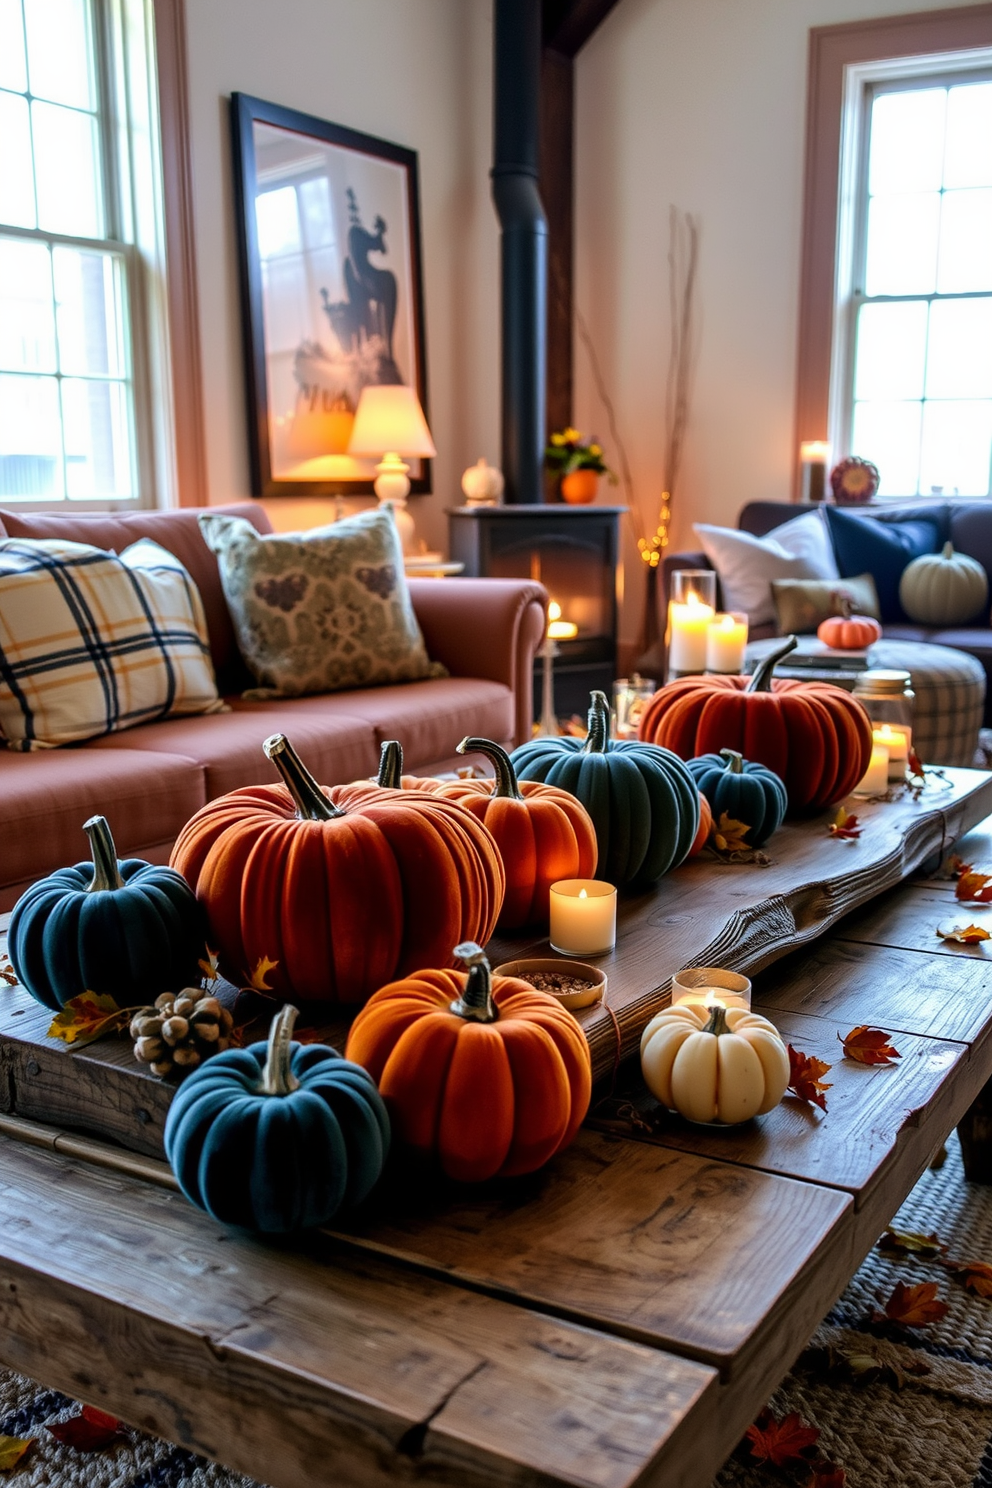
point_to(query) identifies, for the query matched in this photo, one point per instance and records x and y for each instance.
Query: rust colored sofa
(149, 780)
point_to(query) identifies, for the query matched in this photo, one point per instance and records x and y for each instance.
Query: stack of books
(811, 661)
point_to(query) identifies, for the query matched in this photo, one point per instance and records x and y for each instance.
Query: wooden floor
(615, 1320)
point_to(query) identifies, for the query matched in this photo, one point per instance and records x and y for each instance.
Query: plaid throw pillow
(91, 643)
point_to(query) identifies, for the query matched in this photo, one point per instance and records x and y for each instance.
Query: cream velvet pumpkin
(943, 588)
(714, 1064)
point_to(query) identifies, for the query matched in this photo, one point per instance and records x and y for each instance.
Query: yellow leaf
(262, 968)
(730, 835)
(208, 964)
(86, 1018)
(13, 1449)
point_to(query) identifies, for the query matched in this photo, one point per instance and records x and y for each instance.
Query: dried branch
(626, 479)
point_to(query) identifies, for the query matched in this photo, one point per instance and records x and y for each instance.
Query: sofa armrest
(486, 628)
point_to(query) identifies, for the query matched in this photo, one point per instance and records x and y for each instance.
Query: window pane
(891, 354)
(89, 313)
(902, 244)
(12, 70)
(278, 218)
(70, 199)
(59, 64)
(889, 435)
(97, 442)
(965, 242)
(968, 151)
(27, 322)
(957, 447)
(907, 141)
(30, 437)
(16, 185)
(959, 354)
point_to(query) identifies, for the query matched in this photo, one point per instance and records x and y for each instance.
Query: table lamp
(390, 423)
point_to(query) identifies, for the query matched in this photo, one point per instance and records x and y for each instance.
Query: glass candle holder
(691, 608)
(726, 642)
(630, 697)
(583, 917)
(708, 986)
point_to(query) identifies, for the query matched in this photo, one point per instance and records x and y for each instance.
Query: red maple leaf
(915, 765)
(827, 1475)
(869, 1046)
(845, 825)
(804, 1078)
(90, 1431)
(780, 1442)
(913, 1306)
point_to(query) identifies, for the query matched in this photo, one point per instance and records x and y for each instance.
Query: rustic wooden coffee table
(617, 1319)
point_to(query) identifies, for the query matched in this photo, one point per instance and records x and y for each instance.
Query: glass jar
(888, 698)
(630, 698)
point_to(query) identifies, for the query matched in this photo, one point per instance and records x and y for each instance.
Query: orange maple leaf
(780, 1442)
(974, 886)
(975, 1276)
(804, 1078)
(208, 964)
(257, 980)
(915, 765)
(963, 934)
(88, 1017)
(729, 835)
(844, 825)
(869, 1046)
(7, 972)
(913, 1306)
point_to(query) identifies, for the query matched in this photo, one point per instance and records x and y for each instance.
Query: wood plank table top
(615, 1320)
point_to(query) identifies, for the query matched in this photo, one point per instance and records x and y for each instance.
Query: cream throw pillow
(92, 643)
(322, 610)
(800, 549)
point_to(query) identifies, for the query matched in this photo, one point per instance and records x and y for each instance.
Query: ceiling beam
(568, 24)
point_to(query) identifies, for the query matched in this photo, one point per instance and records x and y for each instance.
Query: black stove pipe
(524, 246)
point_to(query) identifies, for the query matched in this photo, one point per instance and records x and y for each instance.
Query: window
(83, 352)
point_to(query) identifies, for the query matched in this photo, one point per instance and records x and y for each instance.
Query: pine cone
(180, 1031)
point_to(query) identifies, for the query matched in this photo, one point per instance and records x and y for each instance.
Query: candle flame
(728, 622)
(554, 610)
(583, 894)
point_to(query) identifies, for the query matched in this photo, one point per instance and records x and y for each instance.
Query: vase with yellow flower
(578, 462)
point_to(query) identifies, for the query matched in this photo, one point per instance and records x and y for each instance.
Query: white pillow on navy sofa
(799, 549)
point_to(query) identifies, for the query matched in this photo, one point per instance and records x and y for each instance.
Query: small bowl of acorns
(575, 984)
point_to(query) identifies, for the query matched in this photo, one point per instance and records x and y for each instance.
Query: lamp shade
(390, 419)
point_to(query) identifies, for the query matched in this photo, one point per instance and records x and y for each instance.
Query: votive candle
(898, 747)
(710, 986)
(875, 781)
(583, 917)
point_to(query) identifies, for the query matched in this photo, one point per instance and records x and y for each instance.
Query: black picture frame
(356, 328)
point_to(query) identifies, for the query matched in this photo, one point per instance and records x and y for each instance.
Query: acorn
(180, 1031)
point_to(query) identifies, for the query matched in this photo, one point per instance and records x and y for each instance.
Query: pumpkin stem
(735, 762)
(947, 550)
(761, 681)
(277, 1076)
(718, 1020)
(842, 599)
(599, 724)
(106, 870)
(506, 787)
(390, 775)
(476, 1002)
(311, 803)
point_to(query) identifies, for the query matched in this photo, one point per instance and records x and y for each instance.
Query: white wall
(417, 72)
(700, 103)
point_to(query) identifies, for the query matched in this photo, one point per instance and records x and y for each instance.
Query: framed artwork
(329, 236)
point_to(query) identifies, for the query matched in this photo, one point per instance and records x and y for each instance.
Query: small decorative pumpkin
(854, 481)
(642, 799)
(333, 893)
(945, 588)
(705, 827)
(110, 926)
(279, 1136)
(746, 791)
(714, 1064)
(815, 736)
(483, 1074)
(847, 631)
(482, 484)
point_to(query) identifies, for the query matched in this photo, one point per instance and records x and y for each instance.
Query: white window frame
(861, 83)
(131, 162)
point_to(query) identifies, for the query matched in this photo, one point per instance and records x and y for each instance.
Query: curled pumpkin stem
(106, 871)
(476, 1003)
(599, 724)
(277, 1076)
(311, 803)
(761, 681)
(506, 787)
(735, 761)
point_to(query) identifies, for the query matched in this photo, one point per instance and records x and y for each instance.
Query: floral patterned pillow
(322, 610)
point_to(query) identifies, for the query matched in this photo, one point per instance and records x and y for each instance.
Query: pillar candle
(894, 740)
(875, 781)
(689, 626)
(726, 639)
(583, 916)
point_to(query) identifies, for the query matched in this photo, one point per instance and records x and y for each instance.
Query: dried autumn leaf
(805, 1073)
(7, 972)
(962, 933)
(208, 965)
(955, 866)
(913, 1306)
(911, 1242)
(729, 835)
(90, 1431)
(974, 1276)
(257, 980)
(13, 1450)
(780, 1442)
(869, 1046)
(827, 1475)
(976, 887)
(915, 765)
(844, 825)
(86, 1018)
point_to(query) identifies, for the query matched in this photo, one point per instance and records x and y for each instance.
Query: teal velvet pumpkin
(746, 791)
(641, 797)
(277, 1137)
(128, 929)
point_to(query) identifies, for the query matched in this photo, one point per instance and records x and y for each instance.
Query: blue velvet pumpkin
(277, 1137)
(641, 797)
(746, 791)
(129, 929)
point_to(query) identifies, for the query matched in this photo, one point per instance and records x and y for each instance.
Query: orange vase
(578, 488)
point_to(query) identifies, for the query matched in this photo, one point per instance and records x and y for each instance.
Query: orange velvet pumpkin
(705, 827)
(816, 737)
(487, 1076)
(848, 632)
(324, 895)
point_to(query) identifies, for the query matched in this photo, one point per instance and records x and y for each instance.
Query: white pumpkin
(482, 484)
(943, 588)
(714, 1064)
